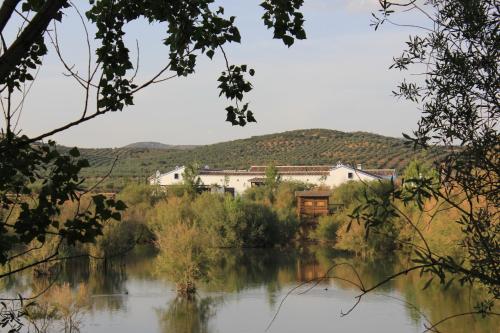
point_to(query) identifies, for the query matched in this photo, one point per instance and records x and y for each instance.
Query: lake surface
(245, 289)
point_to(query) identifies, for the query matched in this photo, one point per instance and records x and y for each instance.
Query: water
(245, 289)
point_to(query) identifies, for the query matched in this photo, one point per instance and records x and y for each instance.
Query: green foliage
(183, 255)
(136, 194)
(418, 170)
(193, 29)
(378, 235)
(283, 202)
(272, 177)
(37, 214)
(254, 225)
(36, 179)
(190, 179)
(327, 228)
(460, 106)
(350, 192)
(279, 14)
(187, 228)
(260, 194)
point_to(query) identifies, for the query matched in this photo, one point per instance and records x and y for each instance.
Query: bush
(118, 238)
(135, 194)
(260, 194)
(252, 224)
(170, 212)
(183, 256)
(327, 228)
(382, 238)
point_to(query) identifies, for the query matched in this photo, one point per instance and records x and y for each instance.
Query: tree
(272, 182)
(418, 169)
(191, 180)
(37, 181)
(272, 177)
(458, 56)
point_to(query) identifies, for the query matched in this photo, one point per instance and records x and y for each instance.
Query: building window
(308, 203)
(320, 204)
(176, 176)
(350, 175)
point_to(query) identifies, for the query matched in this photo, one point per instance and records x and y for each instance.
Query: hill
(299, 147)
(157, 145)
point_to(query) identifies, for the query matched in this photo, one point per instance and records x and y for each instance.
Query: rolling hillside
(157, 145)
(307, 147)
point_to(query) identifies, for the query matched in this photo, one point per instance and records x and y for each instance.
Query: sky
(338, 78)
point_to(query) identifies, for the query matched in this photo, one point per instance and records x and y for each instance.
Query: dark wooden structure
(312, 204)
(257, 181)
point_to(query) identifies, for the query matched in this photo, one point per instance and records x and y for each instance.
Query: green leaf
(428, 283)
(74, 152)
(120, 205)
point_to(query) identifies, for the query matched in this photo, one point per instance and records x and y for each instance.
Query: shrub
(135, 194)
(353, 236)
(170, 212)
(327, 228)
(253, 224)
(183, 256)
(59, 309)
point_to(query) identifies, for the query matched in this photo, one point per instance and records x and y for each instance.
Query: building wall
(239, 182)
(340, 175)
(169, 178)
(337, 176)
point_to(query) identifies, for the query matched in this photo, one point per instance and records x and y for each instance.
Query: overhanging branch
(8, 7)
(13, 55)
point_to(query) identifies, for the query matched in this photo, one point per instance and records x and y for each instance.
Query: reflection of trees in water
(438, 303)
(107, 283)
(434, 302)
(237, 270)
(15, 284)
(188, 315)
(234, 271)
(370, 270)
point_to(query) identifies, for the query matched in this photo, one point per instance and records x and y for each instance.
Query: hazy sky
(337, 79)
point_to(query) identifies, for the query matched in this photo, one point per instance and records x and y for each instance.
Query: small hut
(312, 204)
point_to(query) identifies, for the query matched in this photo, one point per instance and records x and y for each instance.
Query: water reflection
(132, 292)
(189, 315)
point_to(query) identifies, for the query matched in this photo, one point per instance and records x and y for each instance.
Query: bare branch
(433, 327)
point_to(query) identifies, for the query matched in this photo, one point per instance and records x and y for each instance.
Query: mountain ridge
(156, 145)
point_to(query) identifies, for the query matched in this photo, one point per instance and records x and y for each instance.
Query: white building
(238, 181)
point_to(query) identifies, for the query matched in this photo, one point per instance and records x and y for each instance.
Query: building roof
(358, 170)
(219, 172)
(261, 170)
(294, 169)
(382, 172)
